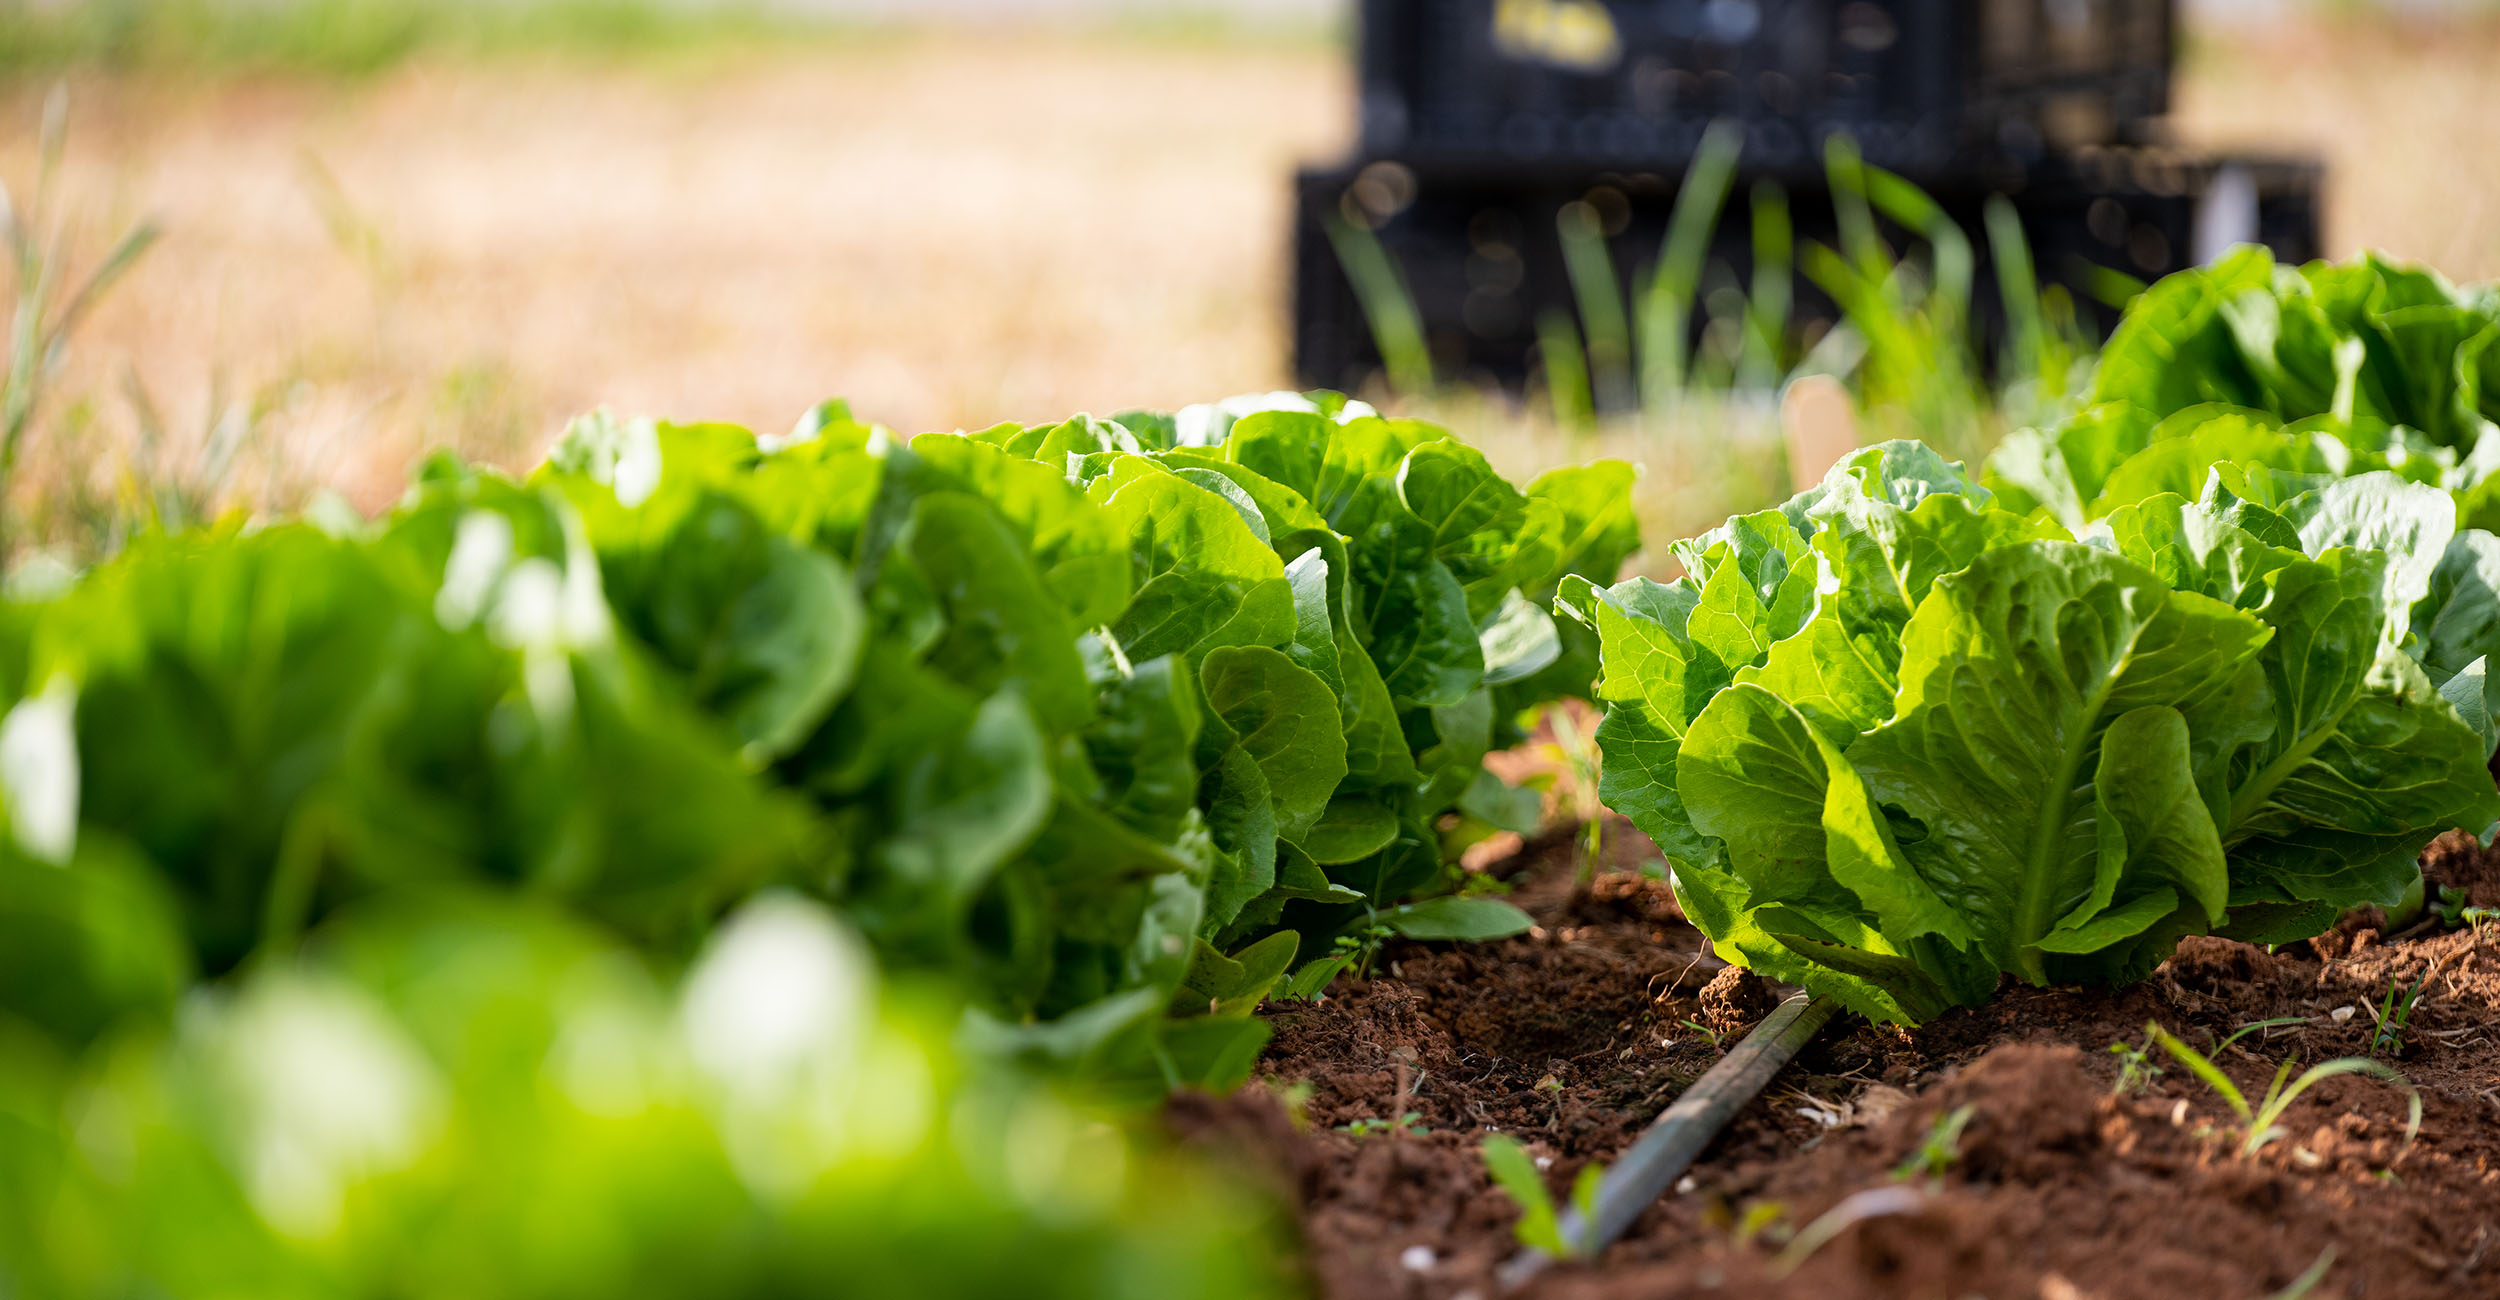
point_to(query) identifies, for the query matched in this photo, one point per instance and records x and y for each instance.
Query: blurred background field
(389, 225)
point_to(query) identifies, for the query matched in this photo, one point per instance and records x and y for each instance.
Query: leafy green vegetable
(1897, 741)
(1096, 735)
(450, 1100)
(1383, 562)
(2293, 376)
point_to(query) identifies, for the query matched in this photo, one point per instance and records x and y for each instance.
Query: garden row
(1094, 733)
(720, 864)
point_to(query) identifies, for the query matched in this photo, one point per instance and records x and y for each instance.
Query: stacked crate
(1489, 115)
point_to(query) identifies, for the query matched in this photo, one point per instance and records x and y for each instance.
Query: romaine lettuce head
(1898, 742)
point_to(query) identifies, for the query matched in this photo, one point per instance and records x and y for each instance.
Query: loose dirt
(2063, 1188)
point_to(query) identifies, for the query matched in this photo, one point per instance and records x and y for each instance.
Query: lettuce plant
(1110, 733)
(1103, 719)
(2292, 375)
(1898, 741)
(1422, 584)
(439, 1099)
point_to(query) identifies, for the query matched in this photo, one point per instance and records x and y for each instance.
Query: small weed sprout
(1409, 1124)
(2450, 907)
(2136, 1070)
(2393, 1012)
(1761, 1219)
(1362, 948)
(1575, 750)
(1295, 1097)
(1713, 1035)
(2259, 1123)
(1941, 1148)
(1540, 1223)
(2309, 1278)
(1354, 952)
(1854, 1209)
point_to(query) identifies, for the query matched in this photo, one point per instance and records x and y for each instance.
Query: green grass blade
(1600, 297)
(2203, 1068)
(2257, 1027)
(1515, 1172)
(1566, 370)
(1584, 1191)
(1859, 241)
(2281, 1098)
(1397, 327)
(1774, 287)
(133, 245)
(2309, 1278)
(1909, 205)
(1667, 302)
(2018, 287)
(1853, 1209)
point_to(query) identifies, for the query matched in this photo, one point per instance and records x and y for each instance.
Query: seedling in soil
(2452, 911)
(1540, 1224)
(1704, 1030)
(2258, 1123)
(1854, 1209)
(2136, 1070)
(2393, 1012)
(1943, 1146)
(1761, 1218)
(1295, 1097)
(1354, 951)
(1364, 948)
(2309, 1278)
(2256, 1027)
(1577, 753)
(1409, 1124)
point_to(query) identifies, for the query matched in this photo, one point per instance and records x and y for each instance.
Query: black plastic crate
(1479, 253)
(1923, 86)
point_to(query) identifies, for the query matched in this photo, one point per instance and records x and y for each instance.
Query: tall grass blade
(1724, 312)
(133, 245)
(2026, 340)
(1388, 305)
(1909, 205)
(1774, 287)
(1600, 298)
(1566, 370)
(1859, 241)
(1667, 302)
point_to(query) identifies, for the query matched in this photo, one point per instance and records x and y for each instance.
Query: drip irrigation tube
(1680, 1132)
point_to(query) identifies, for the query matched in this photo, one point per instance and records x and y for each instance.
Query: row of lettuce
(362, 903)
(2213, 656)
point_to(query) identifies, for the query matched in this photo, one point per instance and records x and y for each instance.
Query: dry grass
(2402, 111)
(949, 232)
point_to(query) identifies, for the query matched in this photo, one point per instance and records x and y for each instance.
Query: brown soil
(1573, 1037)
